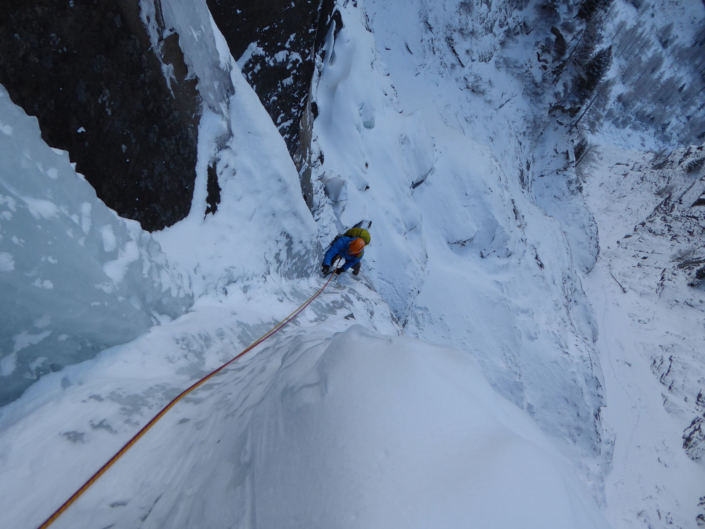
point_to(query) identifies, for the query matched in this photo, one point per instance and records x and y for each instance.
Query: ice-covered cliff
(74, 277)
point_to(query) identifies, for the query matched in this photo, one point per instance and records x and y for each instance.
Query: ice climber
(351, 249)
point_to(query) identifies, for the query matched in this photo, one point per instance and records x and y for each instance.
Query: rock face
(85, 69)
(90, 74)
(275, 44)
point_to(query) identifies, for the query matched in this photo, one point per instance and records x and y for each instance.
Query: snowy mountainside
(336, 421)
(530, 160)
(650, 312)
(657, 82)
(563, 383)
(459, 251)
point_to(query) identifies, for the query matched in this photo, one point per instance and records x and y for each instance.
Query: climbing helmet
(356, 246)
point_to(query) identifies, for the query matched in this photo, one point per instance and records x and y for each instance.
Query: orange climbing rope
(166, 408)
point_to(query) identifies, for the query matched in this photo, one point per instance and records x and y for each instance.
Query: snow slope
(651, 334)
(459, 250)
(318, 429)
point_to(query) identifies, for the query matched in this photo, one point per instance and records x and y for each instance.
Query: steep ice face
(78, 279)
(460, 250)
(74, 277)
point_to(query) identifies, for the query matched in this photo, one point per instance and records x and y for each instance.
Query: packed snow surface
(318, 429)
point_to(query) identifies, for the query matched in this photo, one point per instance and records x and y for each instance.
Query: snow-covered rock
(126, 113)
(262, 226)
(205, 52)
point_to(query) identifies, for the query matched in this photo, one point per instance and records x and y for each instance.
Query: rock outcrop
(87, 71)
(276, 44)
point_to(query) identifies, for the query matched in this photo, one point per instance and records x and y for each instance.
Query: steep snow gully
(523, 347)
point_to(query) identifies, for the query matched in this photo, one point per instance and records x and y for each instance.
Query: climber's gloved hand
(325, 270)
(339, 271)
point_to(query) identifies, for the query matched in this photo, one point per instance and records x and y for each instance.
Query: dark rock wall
(329, 15)
(288, 35)
(285, 32)
(84, 68)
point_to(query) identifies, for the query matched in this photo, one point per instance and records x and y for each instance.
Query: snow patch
(40, 208)
(46, 284)
(252, 50)
(8, 364)
(7, 262)
(109, 240)
(86, 217)
(24, 340)
(43, 321)
(117, 269)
